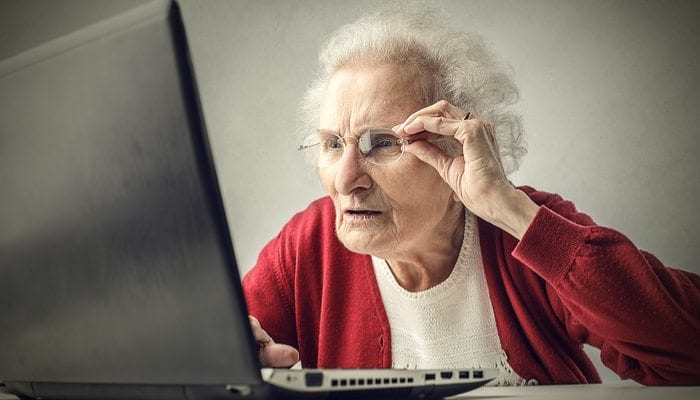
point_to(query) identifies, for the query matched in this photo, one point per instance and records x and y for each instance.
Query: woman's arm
(272, 318)
(644, 316)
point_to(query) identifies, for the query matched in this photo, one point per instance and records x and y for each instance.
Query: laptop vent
(370, 382)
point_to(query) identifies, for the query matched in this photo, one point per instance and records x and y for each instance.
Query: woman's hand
(273, 355)
(477, 177)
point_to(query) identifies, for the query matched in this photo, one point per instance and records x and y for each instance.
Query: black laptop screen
(115, 259)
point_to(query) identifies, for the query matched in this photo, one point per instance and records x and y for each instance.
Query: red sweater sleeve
(643, 316)
(269, 296)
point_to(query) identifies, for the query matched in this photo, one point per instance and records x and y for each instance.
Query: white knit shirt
(450, 325)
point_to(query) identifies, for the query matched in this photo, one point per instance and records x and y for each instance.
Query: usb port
(446, 375)
(478, 374)
(429, 377)
(463, 374)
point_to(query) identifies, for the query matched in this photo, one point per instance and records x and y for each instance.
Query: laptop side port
(313, 379)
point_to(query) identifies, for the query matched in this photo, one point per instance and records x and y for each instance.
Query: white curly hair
(453, 66)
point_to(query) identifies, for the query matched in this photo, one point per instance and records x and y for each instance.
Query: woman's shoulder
(318, 214)
(308, 243)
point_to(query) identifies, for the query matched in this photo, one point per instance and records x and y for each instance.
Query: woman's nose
(351, 172)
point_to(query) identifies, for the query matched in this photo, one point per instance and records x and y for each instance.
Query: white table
(607, 391)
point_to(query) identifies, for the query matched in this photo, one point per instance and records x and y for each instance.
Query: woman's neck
(431, 262)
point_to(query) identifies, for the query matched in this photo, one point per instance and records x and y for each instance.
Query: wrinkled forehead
(356, 99)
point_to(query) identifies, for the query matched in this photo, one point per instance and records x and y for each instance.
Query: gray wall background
(609, 97)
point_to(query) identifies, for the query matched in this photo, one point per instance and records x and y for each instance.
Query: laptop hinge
(234, 392)
(17, 389)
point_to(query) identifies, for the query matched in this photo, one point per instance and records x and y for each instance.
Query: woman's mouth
(360, 214)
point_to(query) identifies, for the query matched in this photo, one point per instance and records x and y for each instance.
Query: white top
(450, 325)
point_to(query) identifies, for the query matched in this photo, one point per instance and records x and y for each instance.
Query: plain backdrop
(609, 98)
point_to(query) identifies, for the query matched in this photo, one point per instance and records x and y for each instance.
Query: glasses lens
(381, 146)
(331, 148)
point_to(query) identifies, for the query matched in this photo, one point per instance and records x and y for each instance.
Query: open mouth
(364, 213)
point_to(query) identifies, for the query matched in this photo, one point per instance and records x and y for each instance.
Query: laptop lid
(113, 236)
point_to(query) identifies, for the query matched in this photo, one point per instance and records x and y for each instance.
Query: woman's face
(383, 210)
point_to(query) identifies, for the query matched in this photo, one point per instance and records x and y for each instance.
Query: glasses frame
(403, 141)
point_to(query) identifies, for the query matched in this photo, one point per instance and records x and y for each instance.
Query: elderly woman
(424, 255)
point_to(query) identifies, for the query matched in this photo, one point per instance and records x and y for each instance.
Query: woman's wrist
(514, 211)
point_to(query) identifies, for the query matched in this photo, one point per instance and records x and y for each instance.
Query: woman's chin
(360, 242)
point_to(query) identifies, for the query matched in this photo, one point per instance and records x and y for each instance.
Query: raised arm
(644, 316)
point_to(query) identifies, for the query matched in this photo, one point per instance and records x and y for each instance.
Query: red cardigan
(565, 283)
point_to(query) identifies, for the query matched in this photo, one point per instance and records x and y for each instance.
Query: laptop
(117, 273)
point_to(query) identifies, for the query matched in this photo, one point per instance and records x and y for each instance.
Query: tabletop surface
(615, 390)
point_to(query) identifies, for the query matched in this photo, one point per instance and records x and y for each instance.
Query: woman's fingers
(434, 124)
(272, 354)
(446, 165)
(261, 337)
(466, 131)
(278, 355)
(477, 137)
(442, 108)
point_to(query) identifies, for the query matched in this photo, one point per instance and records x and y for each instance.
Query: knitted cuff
(550, 245)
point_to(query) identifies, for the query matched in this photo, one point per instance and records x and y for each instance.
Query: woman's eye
(332, 143)
(385, 142)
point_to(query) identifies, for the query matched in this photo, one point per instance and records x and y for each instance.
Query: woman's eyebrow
(359, 132)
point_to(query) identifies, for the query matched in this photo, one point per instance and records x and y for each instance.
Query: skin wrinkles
(419, 227)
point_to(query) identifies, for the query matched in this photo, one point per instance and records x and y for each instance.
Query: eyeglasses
(379, 146)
